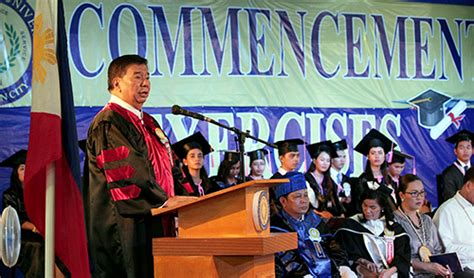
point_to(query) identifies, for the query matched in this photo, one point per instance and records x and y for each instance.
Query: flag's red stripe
(43, 149)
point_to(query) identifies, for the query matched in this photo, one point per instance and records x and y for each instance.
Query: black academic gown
(452, 180)
(349, 208)
(397, 202)
(120, 227)
(359, 188)
(328, 200)
(352, 242)
(275, 205)
(31, 258)
(208, 185)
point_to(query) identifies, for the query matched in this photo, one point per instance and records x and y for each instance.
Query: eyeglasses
(415, 194)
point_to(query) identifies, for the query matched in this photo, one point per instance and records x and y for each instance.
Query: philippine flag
(53, 140)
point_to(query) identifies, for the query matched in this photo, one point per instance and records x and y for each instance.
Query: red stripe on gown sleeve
(125, 193)
(120, 173)
(112, 155)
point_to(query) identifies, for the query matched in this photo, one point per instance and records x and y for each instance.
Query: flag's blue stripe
(68, 115)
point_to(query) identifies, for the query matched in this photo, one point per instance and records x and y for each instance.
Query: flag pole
(49, 212)
(50, 182)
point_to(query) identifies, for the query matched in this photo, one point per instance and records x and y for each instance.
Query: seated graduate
(395, 168)
(321, 189)
(376, 245)
(452, 177)
(340, 179)
(31, 259)
(424, 238)
(191, 150)
(229, 170)
(289, 156)
(455, 222)
(257, 164)
(375, 146)
(315, 256)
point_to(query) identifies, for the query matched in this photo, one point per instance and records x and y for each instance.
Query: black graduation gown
(120, 229)
(349, 208)
(327, 201)
(275, 205)
(353, 244)
(208, 185)
(359, 188)
(452, 180)
(397, 202)
(31, 258)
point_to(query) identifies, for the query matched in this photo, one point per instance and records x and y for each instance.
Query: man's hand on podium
(178, 200)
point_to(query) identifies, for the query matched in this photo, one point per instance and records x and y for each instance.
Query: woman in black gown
(31, 259)
(191, 151)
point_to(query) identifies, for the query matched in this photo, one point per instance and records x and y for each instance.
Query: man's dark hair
(118, 67)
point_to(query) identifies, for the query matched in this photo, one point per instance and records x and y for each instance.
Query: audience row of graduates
(331, 193)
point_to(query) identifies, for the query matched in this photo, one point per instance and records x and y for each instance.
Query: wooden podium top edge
(254, 183)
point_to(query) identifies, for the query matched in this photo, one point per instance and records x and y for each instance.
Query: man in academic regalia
(130, 172)
(340, 179)
(315, 255)
(453, 176)
(289, 156)
(395, 169)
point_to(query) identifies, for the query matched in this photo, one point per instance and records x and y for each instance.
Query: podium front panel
(227, 215)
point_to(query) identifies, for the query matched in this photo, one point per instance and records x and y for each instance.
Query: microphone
(177, 110)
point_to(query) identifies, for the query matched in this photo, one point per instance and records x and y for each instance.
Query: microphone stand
(240, 138)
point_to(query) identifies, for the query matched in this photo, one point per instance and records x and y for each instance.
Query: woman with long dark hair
(322, 192)
(191, 150)
(228, 172)
(257, 164)
(375, 146)
(375, 244)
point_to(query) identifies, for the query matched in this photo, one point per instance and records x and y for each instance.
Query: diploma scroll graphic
(440, 127)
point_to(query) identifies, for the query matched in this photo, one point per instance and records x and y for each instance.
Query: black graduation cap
(15, 159)
(232, 156)
(340, 145)
(399, 157)
(374, 139)
(316, 148)
(288, 145)
(431, 107)
(195, 141)
(463, 135)
(257, 154)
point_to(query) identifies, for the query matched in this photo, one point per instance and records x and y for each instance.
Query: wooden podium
(223, 234)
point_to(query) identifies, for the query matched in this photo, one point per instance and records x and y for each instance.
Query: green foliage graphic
(14, 41)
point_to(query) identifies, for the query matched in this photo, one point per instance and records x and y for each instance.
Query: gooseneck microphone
(177, 110)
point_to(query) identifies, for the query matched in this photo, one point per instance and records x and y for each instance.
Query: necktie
(339, 178)
(465, 169)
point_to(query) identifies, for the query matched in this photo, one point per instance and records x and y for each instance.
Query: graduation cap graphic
(431, 107)
(437, 111)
